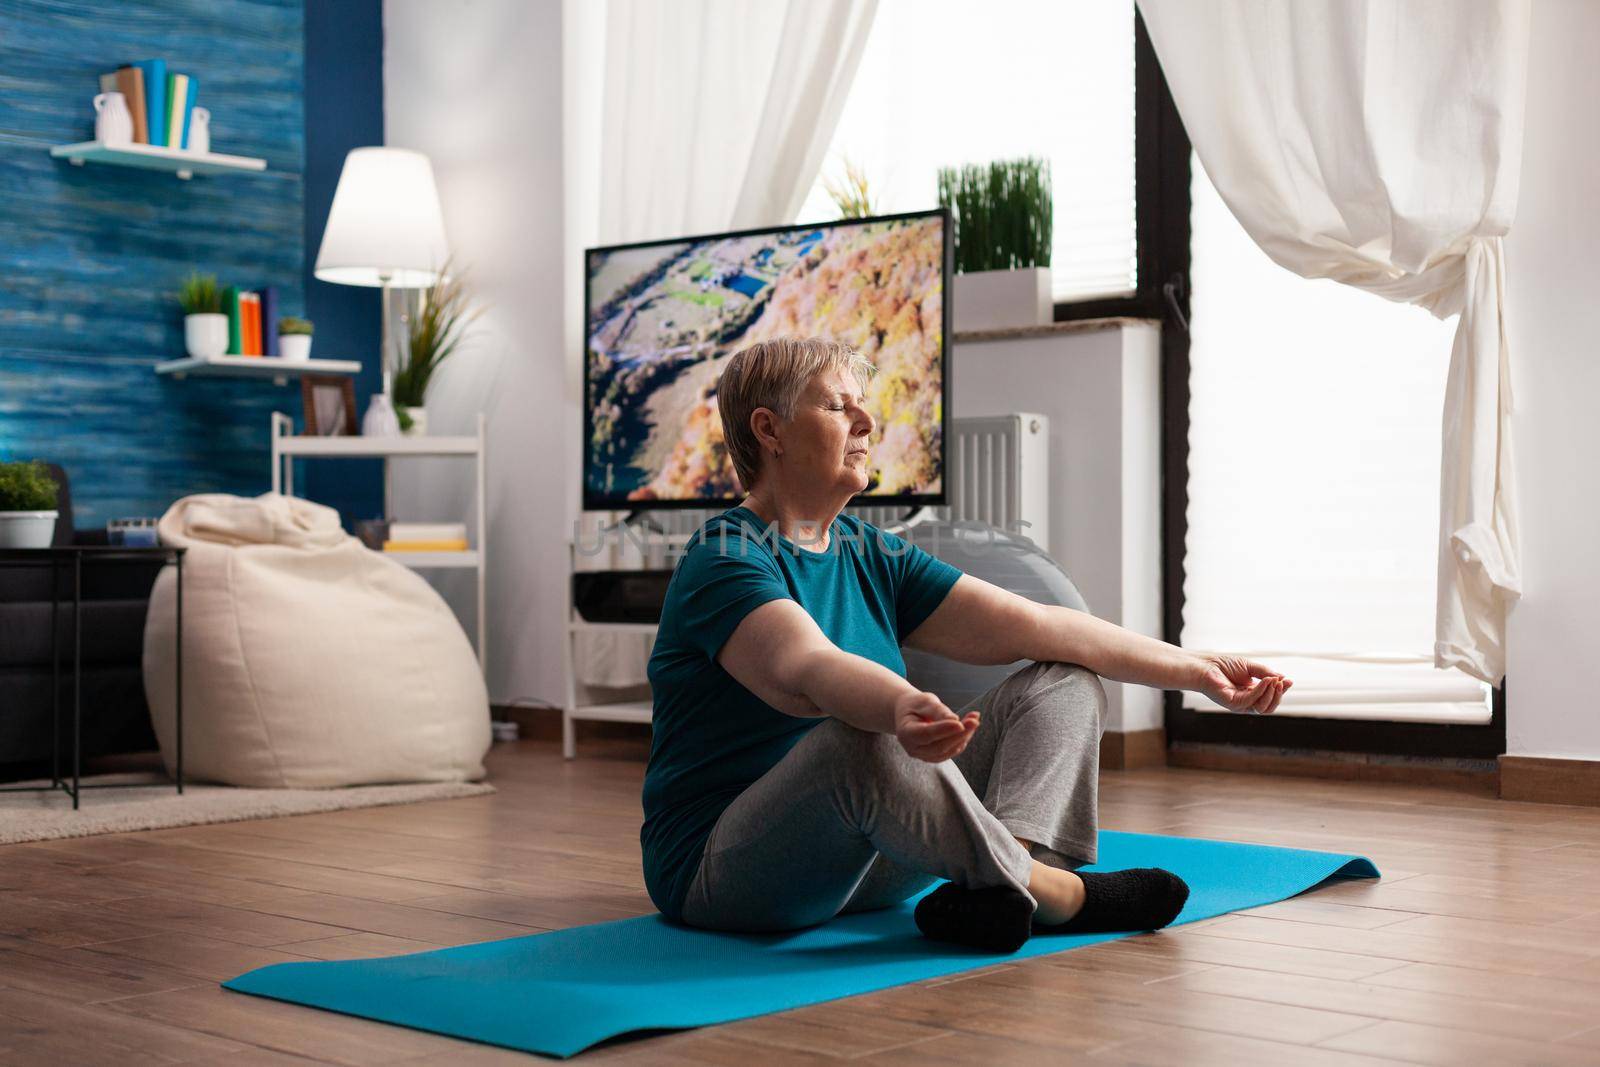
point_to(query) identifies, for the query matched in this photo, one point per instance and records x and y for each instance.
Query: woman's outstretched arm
(978, 622)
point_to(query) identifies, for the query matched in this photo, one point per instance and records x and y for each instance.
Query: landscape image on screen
(663, 320)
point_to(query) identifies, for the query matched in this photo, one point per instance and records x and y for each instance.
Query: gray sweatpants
(848, 821)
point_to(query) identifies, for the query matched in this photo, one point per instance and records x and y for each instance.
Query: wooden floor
(1481, 944)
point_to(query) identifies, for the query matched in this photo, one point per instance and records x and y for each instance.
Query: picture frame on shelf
(329, 403)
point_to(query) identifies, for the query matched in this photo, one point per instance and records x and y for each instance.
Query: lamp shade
(385, 224)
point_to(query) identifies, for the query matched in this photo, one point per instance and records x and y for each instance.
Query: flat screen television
(663, 317)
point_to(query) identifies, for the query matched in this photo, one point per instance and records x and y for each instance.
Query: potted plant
(294, 338)
(27, 505)
(1001, 216)
(850, 194)
(432, 333)
(205, 327)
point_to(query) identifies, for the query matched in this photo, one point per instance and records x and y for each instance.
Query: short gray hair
(773, 374)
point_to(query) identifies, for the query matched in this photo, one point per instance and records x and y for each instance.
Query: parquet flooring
(1481, 944)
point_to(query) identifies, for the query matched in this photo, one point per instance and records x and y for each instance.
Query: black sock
(994, 919)
(1143, 898)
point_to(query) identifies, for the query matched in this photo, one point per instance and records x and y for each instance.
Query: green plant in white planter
(27, 505)
(205, 327)
(294, 338)
(433, 332)
(1002, 215)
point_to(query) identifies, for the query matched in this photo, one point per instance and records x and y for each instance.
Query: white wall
(1553, 275)
(477, 85)
(1101, 393)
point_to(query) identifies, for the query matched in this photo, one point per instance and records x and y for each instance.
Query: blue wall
(344, 110)
(91, 256)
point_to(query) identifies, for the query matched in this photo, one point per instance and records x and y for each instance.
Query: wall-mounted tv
(662, 318)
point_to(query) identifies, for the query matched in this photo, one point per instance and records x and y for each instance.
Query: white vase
(113, 122)
(294, 346)
(419, 421)
(205, 335)
(1003, 299)
(27, 529)
(380, 419)
(199, 131)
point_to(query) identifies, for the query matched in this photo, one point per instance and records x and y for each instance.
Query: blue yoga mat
(562, 991)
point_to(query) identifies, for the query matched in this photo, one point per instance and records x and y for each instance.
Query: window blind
(1314, 484)
(942, 83)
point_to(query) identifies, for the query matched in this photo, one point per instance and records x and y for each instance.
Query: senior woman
(795, 774)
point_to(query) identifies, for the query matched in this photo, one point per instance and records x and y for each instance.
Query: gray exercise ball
(1011, 562)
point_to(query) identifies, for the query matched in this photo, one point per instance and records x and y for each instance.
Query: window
(1313, 510)
(943, 83)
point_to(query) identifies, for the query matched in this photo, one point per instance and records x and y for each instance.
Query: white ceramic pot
(199, 131)
(295, 346)
(1003, 299)
(27, 529)
(419, 421)
(380, 420)
(113, 122)
(205, 335)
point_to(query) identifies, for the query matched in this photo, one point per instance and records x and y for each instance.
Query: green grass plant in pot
(27, 505)
(205, 327)
(294, 338)
(1002, 220)
(434, 329)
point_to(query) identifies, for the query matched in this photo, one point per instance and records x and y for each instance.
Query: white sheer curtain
(690, 117)
(1378, 143)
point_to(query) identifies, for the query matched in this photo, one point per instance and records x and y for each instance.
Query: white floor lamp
(385, 229)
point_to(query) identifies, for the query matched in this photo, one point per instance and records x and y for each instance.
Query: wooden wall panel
(91, 256)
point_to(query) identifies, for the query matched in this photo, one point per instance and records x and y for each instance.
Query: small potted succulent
(205, 327)
(1001, 218)
(294, 338)
(27, 505)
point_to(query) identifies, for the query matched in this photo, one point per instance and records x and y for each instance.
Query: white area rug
(47, 815)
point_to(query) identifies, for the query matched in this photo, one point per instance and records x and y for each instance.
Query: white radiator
(997, 472)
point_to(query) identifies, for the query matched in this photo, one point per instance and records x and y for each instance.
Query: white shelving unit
(179, 161)
(278, 369)
(287, 447)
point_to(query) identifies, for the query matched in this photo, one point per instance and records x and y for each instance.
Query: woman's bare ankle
(1059, 893)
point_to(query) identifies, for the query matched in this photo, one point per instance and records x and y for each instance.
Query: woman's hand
(930, 731)
(1239, 684)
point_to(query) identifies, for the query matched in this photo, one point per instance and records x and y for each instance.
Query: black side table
(55, 557)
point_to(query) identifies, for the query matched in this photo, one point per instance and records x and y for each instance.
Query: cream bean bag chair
(308, 659)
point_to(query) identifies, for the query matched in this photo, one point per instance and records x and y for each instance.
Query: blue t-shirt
(713, 737)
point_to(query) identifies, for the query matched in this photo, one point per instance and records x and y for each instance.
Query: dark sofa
(116, 718)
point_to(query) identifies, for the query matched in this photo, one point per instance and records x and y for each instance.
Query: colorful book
(177, 108)
(250, 323)
(269, 321)
(155, 98)
(425, 546)
(188, 107)
(230, 308)
(131, 80)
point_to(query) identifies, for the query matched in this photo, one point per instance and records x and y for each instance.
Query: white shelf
(623, 711)
(429, 560)
(376, 446)
(179, 161)
(278, 369)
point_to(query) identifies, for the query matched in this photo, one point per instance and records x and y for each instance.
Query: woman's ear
(764, 424)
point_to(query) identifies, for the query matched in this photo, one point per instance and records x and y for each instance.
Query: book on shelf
(425, 546)
(180, 102)
(269, 321)
(427, 531)
(249, 323)
(155, 99)
(230, 308)
(129, 81)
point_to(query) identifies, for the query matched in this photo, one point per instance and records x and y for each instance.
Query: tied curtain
(1378, 143)
(686, 118)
